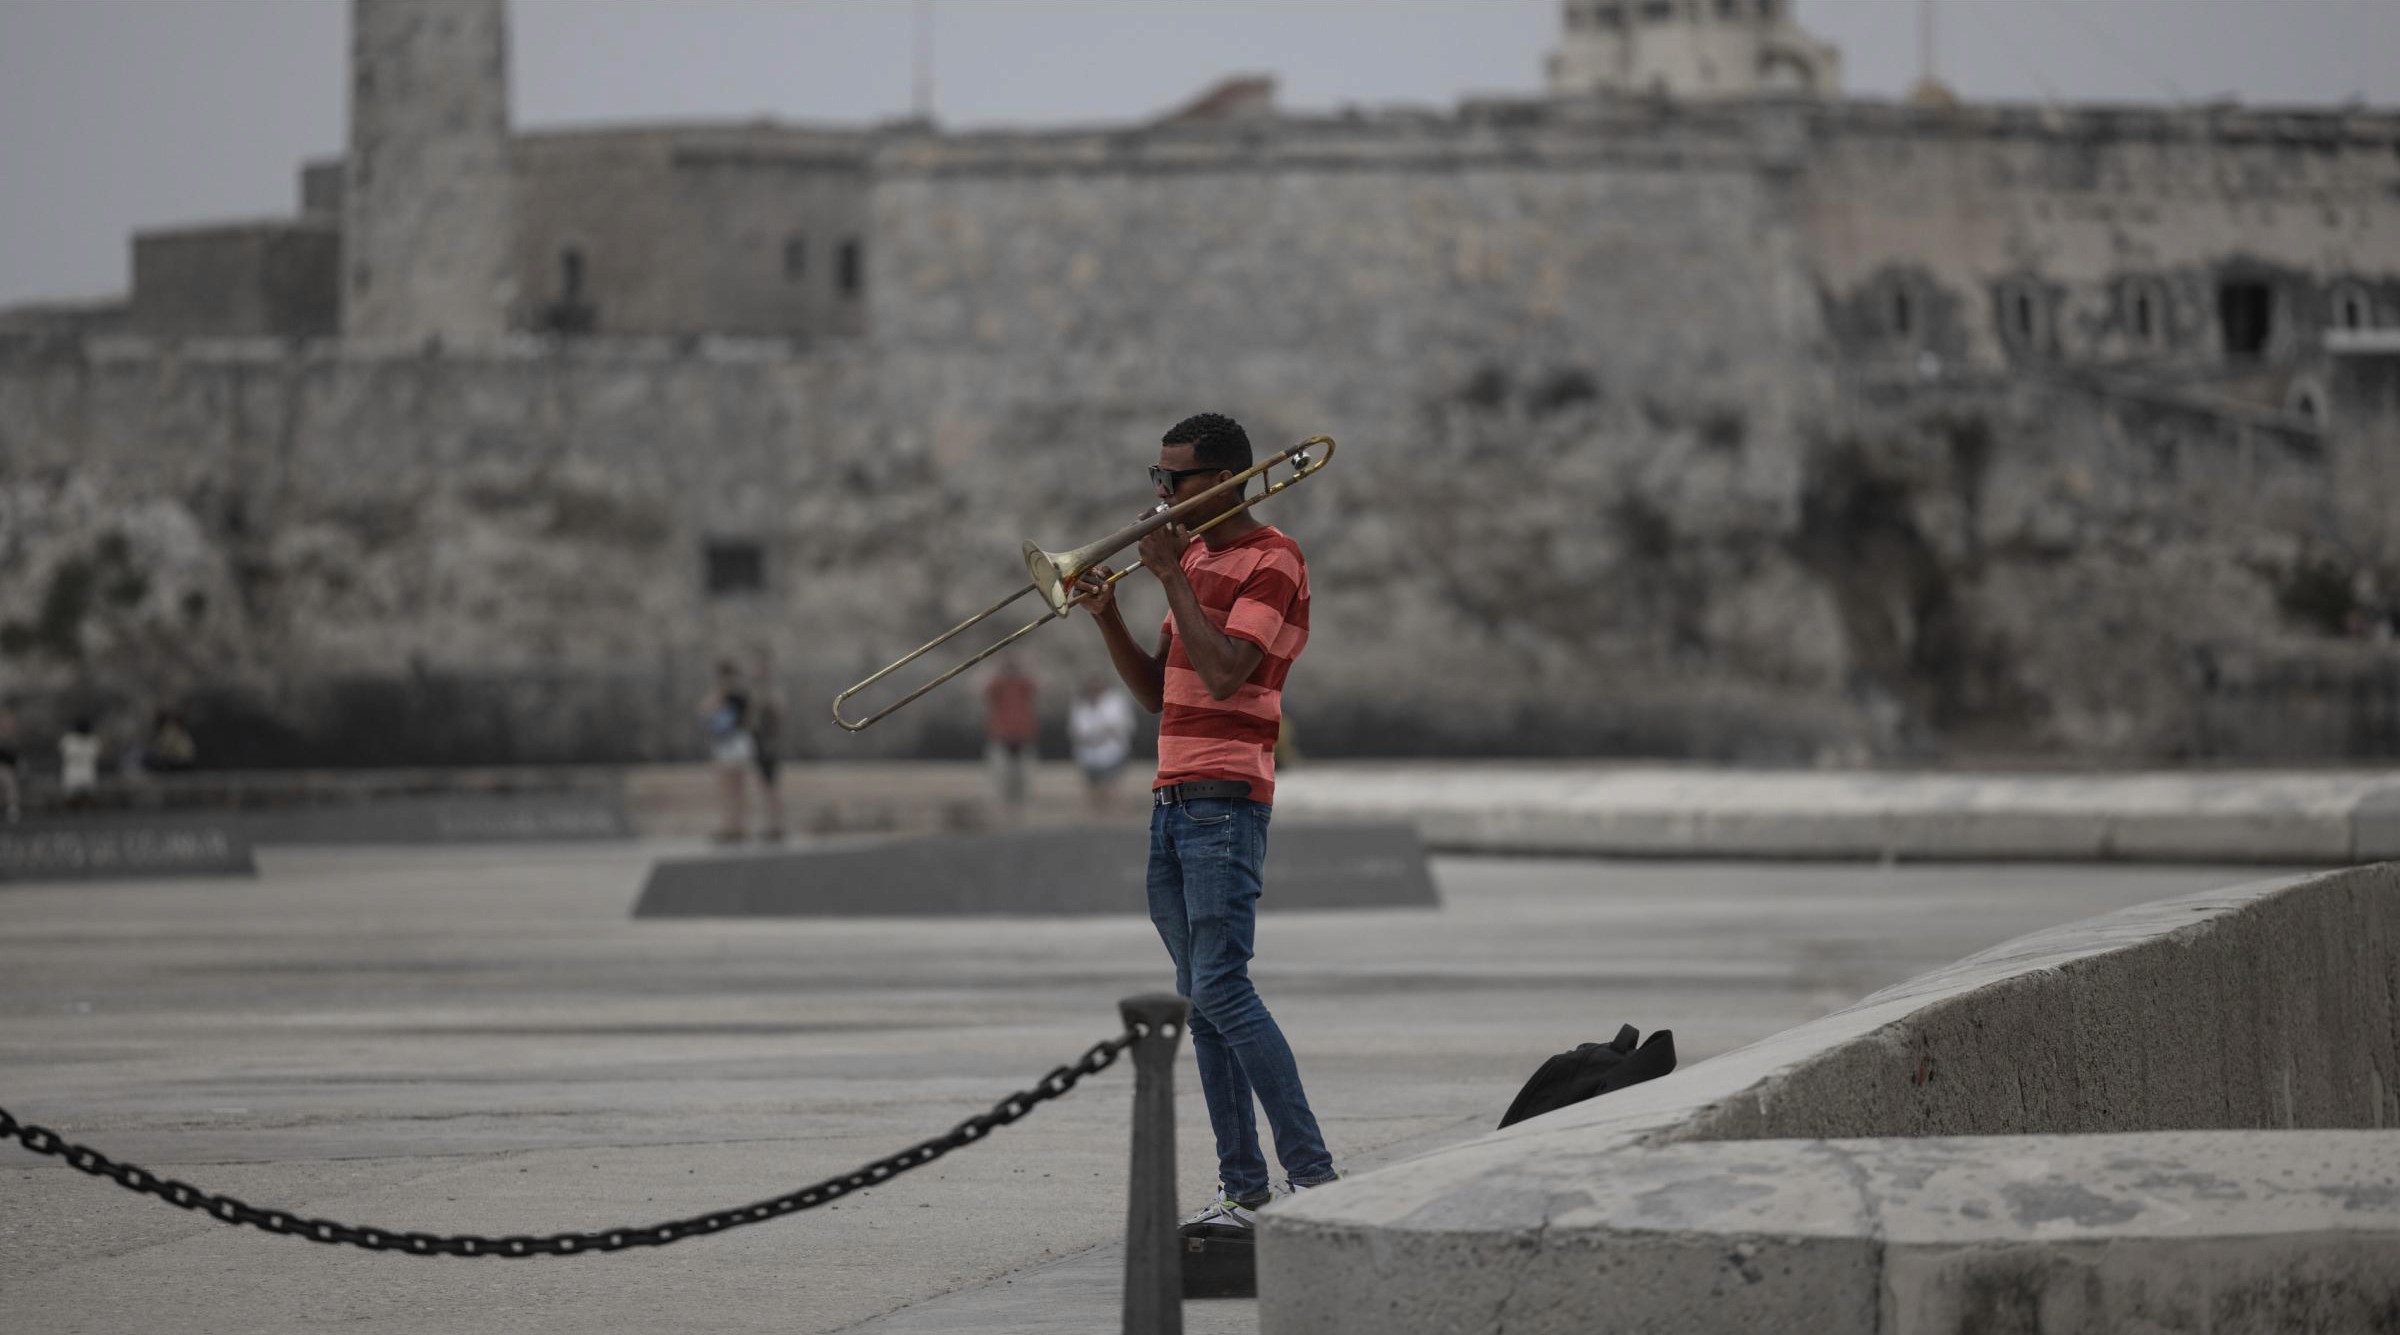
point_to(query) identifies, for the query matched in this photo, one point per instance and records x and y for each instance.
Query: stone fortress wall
(256, 280)
(1757, 430)
(740, 231)
(735, 230)
(2017, 237)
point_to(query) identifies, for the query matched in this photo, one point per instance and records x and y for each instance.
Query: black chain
(42, 1140)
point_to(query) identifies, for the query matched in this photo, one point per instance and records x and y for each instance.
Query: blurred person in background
(1009, 729)
(766, 746)
(79, 764)
(725, 721)
(170, 749)
(9, 801)
(1100, 727)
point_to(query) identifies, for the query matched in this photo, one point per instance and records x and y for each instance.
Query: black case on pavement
(1220, 1266)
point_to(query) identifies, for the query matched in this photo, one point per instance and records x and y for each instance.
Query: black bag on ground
(1593, 1068)
(1219, 1265)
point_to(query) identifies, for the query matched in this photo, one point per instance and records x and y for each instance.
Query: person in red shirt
(1237, 618)
(1009, 729)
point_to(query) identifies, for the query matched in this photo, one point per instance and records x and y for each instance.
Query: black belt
(1198, 792)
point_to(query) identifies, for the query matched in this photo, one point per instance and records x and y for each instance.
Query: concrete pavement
(483, 1039)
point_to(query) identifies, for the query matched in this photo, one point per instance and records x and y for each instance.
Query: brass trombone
(1055, 573)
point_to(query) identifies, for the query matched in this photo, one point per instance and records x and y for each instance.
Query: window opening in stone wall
(1784, 72)
(2021, 316)
(734, 567)
(1766, 8)
(2351, 310)
(1904, 312)
(2143, 306)
(1609, 15)
(795, 258)
(2245, 314)
(572, 312)
(850, 267)
(1658, 10)
(1729, 9)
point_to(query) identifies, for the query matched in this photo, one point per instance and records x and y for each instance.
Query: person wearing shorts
(725, 720)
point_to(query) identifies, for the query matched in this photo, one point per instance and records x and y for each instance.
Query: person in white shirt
(1100, 729)
(79, 764)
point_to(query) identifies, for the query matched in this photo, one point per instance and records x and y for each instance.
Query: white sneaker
(1221, 1215)
(1290, 1188)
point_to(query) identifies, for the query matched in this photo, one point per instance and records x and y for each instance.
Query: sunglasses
(1171, 478)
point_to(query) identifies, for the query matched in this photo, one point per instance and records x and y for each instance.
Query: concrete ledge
(1730, 1195)
(1657, 811)
(2201, 1231)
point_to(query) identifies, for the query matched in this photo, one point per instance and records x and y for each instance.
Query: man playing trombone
(1237, 617)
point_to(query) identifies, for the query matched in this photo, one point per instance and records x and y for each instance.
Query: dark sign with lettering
(106, 848)
(492, 818)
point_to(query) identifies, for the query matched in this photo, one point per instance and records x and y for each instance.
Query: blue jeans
(1206, 860)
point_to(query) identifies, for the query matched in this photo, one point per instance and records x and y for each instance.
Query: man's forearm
(1142, 673)
(1216, 656)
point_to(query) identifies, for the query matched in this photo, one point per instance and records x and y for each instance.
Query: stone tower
(428, 227)
(1693, 50)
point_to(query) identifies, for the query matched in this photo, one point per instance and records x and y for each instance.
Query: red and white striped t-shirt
(1255, 589)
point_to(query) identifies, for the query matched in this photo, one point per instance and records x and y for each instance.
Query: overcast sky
(118, 115)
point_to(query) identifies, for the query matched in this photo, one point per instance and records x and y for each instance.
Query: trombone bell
(1054, 573)
(1052, 577)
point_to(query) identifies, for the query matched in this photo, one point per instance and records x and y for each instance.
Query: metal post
(1153, 1266)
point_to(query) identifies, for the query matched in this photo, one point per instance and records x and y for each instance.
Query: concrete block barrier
(2330, 819)
(2184, 1116)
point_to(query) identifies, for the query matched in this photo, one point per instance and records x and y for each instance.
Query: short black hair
(1217, 441)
